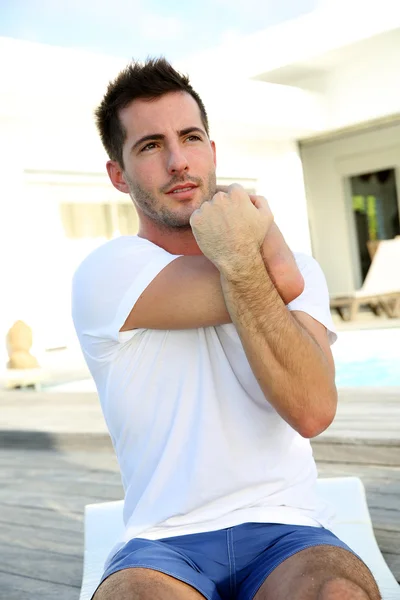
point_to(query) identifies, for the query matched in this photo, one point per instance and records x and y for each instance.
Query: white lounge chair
(381, 287)
(103, 526)
(23, 378)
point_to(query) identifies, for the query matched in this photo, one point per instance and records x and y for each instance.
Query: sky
(141, 28)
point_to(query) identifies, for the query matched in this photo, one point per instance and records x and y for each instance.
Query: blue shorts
(228, 563)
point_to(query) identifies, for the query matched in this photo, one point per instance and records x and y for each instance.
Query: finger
(219, 194)
(253, 198)
(261, 204)
(236, 188)
(259, 201)
(229, 188)
(222, 188)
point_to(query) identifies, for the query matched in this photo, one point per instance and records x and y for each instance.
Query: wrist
(242, 265)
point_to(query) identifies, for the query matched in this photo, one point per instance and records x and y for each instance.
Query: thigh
(290, 556)
(304, 574)
(144, 584)
(145, 569)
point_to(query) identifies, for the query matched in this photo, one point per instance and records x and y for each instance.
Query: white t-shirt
(198, 445)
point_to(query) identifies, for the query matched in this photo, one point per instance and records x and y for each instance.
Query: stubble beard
(162, 215)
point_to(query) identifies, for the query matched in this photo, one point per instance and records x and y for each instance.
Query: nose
(177, 161)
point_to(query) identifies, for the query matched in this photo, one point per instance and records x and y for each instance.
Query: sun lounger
(381, 288)
(103, 526)
(23, 378)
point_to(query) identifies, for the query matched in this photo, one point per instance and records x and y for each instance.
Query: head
(154, 128)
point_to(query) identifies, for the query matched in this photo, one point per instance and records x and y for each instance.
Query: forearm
(281, 265)
(289, 365)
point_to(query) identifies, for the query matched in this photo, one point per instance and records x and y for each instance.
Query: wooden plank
(61, 519)
(62, 483)
(58, 503)
(34, 538)
(17, 587)
(393, 562)
(369, 394)
(351, 435)
(50, 459)
(388, 541)
(377, 428)
(381, 473)
(99, 490)
(58, 440)
(380, 411)
(349, 452)
(386, 519)
(388, 500)
(42, 565)
(56, 476)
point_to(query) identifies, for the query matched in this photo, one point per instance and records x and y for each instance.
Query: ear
(116, 176)
(214, 151)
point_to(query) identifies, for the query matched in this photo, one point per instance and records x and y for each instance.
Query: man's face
(169, 161)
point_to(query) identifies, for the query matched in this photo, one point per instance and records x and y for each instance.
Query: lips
(178, 189)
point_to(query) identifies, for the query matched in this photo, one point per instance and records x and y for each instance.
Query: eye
(194, 137)
(149, 146)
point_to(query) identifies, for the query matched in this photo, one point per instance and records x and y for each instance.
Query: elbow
(314, 425)
(312, 428)
(294, 288)
(298, 286)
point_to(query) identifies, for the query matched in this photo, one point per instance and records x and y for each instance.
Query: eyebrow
(159, 136)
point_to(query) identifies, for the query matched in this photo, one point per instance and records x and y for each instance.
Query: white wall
(368, 85)
(47, 128)
(277, 168)
(327, 165)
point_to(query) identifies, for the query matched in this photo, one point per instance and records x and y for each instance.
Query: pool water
(367, 358)
(362, 358)
(373, 373)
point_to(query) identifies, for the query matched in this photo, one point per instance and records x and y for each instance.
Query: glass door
(376, 212)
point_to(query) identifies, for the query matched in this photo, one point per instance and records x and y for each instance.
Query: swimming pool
(367, 358)
(363, 358)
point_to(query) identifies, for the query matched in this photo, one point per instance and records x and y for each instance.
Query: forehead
(176, 110)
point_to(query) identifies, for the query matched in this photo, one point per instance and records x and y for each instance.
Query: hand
(231, 228)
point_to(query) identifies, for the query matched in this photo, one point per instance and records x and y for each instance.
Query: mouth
(183, 192)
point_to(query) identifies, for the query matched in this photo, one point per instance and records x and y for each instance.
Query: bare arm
(188, 294)
(289, 353)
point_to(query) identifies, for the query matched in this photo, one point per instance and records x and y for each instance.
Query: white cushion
(104, 526)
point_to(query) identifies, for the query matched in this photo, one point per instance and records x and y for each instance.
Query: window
(98, 220)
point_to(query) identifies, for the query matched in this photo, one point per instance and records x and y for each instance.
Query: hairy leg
(320, 573)
(144, 584)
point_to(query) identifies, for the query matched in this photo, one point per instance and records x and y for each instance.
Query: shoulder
(109, 250)
(105, 256)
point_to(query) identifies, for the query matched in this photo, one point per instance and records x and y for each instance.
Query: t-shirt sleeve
(109, 282)
(315, 298)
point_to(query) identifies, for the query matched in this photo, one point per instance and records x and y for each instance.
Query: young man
(210, 348)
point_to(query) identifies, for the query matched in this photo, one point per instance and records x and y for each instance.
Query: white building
(307, 113)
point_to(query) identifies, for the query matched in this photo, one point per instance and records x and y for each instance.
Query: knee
(343, 589)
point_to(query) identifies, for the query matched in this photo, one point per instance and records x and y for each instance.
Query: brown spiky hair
(151, 79)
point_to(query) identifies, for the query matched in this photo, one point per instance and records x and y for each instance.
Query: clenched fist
(230, 228)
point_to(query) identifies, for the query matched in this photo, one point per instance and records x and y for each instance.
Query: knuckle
(195, 217)
(237, 189)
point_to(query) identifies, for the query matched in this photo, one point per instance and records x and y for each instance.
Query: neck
(175, 241)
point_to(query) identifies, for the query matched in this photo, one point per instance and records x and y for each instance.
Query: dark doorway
(376, 211)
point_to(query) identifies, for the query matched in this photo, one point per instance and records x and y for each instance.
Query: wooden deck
(51, 467)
